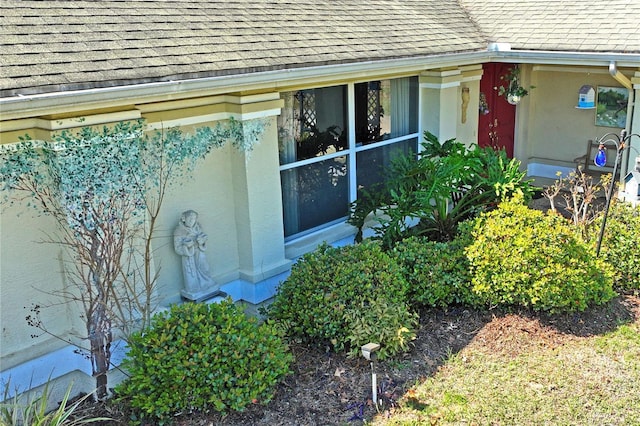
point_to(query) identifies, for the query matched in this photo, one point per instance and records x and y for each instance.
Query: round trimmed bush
(524, 257)
(438, 273)
(330, 286)
(202, 356)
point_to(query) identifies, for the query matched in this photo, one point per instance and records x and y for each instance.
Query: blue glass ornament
(601, 158)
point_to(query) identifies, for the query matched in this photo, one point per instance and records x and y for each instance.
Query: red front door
(496, 127)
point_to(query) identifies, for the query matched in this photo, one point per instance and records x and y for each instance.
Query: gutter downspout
(626, 82)
(620, 78)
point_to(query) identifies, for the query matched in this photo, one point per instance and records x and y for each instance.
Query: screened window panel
(371, 164)
(312, 129)
(312, 124)
(315, 194)
(386, 109)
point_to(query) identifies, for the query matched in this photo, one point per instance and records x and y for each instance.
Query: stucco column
(467, 129)
(258, 207)
(440, 102)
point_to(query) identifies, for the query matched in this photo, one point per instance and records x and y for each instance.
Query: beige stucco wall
(30, 274)
(467, 132)
(237, 196)
(210, 193)
(440, 100)
(634, 151)
(441, 103)
(555, 128)
(258, 201)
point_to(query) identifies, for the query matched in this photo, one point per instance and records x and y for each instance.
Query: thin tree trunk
(100, 338)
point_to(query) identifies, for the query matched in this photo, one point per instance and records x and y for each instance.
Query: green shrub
(621, 244)
(524, 257)
(438, 273)
(202, 356)
(380, 320)
(317, 301)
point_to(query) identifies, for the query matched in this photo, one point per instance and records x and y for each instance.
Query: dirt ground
(328, 389)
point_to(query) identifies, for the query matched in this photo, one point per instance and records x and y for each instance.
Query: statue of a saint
(190, 243)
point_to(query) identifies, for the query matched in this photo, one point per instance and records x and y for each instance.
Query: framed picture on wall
(611, 106)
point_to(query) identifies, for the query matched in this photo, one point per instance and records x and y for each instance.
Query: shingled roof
(65, 45)
(560, 25)
(51, 46)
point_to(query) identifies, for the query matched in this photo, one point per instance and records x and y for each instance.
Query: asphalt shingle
(56, 45)
(560, 25)
(134, 39)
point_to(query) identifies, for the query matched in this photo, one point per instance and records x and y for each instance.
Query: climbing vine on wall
(105, 188)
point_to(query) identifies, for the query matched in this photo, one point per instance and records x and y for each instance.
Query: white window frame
(351, 153)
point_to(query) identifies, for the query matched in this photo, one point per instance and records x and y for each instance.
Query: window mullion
(314, 160)
(351, 119)
(386, 142)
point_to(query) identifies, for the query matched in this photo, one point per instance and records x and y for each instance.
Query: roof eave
(567, 58)
(14, 107)
(46, 103)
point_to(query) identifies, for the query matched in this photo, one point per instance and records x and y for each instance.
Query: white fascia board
(566, 58)
(14, 107)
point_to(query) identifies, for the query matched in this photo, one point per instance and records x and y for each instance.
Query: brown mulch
(329, 389)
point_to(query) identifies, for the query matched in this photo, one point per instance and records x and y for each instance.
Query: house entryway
(496, 127)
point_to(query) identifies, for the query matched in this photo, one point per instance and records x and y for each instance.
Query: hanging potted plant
(513, 91)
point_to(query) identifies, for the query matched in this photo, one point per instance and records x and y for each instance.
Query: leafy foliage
(621, 244)
(417, 198)
(202, 356)
(499, 176)
(523, 257)
(21, 409)
(100, 185)
(513, 87)
(381, 320)
(438, 273)
(330, 288)
(432, 148)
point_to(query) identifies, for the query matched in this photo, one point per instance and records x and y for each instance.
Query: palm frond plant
(430, 193)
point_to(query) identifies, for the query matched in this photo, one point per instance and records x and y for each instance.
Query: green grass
(585, 381)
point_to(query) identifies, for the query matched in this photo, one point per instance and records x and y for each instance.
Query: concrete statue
(190, 243)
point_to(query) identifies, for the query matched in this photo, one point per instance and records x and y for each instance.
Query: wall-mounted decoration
(586, 97)
(611, 106)
(465, 103)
